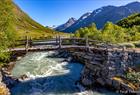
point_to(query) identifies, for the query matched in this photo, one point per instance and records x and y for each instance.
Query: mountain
(66, 25)
(51, 27)
(102, 15)
(21, 22)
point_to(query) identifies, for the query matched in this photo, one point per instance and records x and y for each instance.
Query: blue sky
(56, 12)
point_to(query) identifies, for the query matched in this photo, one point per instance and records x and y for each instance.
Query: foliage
(133, 76)
(110, 33)
(90, 31)
(132, 27)
(137, 44)
(130, 21)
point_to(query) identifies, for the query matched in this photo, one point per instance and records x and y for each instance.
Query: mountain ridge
(104, 14)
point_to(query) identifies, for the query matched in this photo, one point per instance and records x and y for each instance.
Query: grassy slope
(23, 24)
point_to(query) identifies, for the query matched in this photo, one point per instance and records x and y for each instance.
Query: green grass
(22, 23)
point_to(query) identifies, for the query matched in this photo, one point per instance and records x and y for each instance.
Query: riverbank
(7, 81)
(3, 88)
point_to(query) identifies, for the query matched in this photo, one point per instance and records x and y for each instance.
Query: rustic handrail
(61, 41)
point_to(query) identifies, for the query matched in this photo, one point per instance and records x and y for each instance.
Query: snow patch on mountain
(86, 15)
(97, 11)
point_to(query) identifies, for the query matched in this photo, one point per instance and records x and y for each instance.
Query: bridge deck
(41, 48)
(66, 43)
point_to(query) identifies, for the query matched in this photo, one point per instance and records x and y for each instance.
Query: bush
(134, 77)
(137, 44)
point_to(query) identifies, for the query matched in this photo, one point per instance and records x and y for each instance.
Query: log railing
(61, 42)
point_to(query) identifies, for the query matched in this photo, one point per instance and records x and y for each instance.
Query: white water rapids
(48, 76)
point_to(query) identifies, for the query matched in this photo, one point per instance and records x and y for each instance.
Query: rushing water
(48, 76)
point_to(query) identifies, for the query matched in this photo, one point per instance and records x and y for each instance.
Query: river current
(48, 75)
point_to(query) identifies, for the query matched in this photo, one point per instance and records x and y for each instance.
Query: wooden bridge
(63, 43)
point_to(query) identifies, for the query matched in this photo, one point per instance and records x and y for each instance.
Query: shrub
(133, 76)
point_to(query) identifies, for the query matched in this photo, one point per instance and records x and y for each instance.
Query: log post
(27, 44)
(60, 42)
(56, 40)
(87, 44)
(30, 42)
(123, 48)
(73, 41)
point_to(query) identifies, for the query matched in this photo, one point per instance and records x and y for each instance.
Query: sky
(57, 12)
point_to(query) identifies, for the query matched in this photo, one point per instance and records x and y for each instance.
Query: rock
(8, 80)
(116, 84)
(101, 66)
(87, 57)
(69, 59)
(108, 82)
(104, 72)
(86, 82)
(23, 77)
(111, 68)
(100, 81)
(19, 58)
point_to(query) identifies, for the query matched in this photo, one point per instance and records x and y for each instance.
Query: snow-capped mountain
(66, 25)
(52, 27)
(102, 15)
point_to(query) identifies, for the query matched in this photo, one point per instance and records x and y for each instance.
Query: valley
(96, 54)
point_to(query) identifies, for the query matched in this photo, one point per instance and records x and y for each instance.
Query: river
(49, 75)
